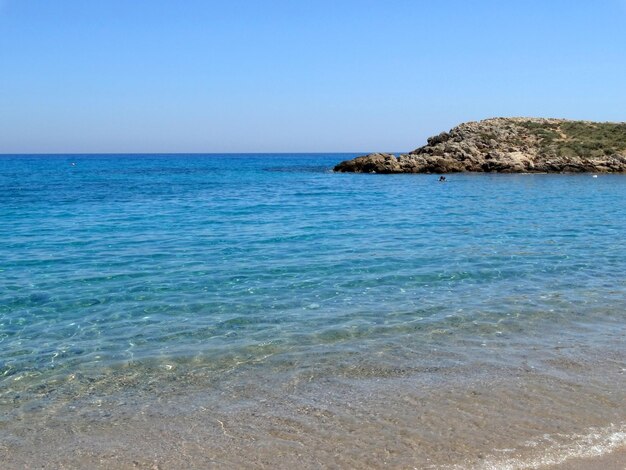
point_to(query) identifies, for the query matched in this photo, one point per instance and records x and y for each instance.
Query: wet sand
(613, 461)
(498, 418)
(531, 402)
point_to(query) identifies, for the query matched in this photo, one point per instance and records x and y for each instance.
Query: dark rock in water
(373, 163)
(509, 145)
(39, 298)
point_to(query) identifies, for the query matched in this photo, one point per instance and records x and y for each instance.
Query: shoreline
(615, 460)
(499, 419)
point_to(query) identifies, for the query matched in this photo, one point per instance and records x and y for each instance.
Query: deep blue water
(221, 260)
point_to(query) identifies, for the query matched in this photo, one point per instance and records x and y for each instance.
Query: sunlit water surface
(297, 316)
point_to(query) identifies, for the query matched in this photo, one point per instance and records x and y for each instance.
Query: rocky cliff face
(509, 145)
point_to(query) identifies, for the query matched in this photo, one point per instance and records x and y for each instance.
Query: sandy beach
(614, 461)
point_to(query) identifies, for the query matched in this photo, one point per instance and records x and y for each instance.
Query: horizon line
(3, 154)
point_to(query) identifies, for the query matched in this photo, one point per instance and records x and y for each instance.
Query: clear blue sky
(283, 76)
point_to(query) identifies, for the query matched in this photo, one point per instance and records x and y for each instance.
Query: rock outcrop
(509, 145)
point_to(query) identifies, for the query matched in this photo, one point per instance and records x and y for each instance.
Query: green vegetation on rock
(578, 138)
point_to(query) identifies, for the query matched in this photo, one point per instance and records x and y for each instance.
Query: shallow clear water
(213, 272)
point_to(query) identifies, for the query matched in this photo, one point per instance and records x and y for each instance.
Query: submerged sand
(462, 417)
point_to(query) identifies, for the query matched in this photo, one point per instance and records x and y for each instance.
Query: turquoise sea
(188, 311)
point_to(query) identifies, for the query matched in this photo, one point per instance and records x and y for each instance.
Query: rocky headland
(509, 145)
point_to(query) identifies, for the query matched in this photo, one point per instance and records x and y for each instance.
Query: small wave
(557, 449)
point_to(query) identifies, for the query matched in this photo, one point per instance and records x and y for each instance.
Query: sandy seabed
(492, 418)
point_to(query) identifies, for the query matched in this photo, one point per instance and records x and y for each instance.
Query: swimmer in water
(442, 179)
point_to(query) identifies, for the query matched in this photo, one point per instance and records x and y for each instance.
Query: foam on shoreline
(598, 442)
